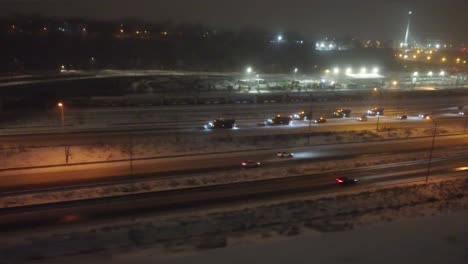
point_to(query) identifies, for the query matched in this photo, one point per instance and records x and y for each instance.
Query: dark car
(320, 120)
(248, 164)
(345, 181)
(402, 117)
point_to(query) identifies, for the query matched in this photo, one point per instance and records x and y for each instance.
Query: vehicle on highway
(320, 120)
(463, 113)
(221, 123)
(249, 164)
(302, 116)
(425, 116)
(341, 113)
(346, 181)
(283, 154)
(362, 118)
(375, 112)
(402, 117)
(279, 120)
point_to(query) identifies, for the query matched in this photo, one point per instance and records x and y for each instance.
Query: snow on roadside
(210, 228)
(168, 145)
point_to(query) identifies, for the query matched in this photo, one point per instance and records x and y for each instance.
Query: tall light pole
(434, 133)
(61, 106)
(408, 28)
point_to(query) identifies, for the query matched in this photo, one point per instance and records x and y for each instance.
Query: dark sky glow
(366, 18)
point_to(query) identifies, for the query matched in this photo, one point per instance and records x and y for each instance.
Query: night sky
(383, 19)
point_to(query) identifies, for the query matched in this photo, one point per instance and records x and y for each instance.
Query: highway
(143, 169)
(70, 213)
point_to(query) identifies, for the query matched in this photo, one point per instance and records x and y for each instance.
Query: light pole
(378, 122)
(434, 133)
(61, 106)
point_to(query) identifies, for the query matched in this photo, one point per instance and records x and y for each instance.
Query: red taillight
(243, 163)
(339, 180)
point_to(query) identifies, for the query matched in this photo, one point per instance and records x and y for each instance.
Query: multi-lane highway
(128, 206)
(144, 169)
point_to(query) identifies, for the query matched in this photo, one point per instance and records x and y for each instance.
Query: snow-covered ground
(168, 145)
(429, 226)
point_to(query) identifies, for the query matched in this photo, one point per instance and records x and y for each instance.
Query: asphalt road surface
(112, 208)
(112, 172)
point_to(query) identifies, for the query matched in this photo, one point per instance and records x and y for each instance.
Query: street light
(349, 71)
(296, 70)
(61, 107)
(249, 70)
(375, 70)
(279, 38)
(442, 73)
(363, 70)
(336, 70)
(430, 73)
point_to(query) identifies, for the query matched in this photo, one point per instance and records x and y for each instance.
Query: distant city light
(442, 73)
(430, 73)
(121, 31)
(394, 83)
(375, 70)
(444, 59)
(279, 38)
(336, 70)
(249, 70)
(349, 70)
(296, 70)
(405, 57)
(415, 74)
(363, 70)
(428, 58)
(327, 71)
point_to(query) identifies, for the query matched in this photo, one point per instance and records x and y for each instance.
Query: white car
(362, 118)
(284, 154)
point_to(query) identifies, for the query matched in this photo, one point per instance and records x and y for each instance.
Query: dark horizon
(377, 19)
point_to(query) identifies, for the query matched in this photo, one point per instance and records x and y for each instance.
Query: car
(402, 117)
(345, 181)
(362, 118)
(248, 164)
(320, 120)
(463, 113)
(425, 116)
(283, 154)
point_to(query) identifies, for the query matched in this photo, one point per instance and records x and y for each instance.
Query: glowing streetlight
(363, 70)
(336, 70)
(279, 38)
(249, 70)
(430, 73)
(415, 74)
(415, 57)
(442, 73)
(428, 58)
(349, 71)
(61, 106)
(327, 71)
(394, 83)
(405, 57)
(444, 59)
(296, 70)
(375, 70)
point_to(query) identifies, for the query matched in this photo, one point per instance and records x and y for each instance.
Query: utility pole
(434, 133)
(378, 122)
(130, 153)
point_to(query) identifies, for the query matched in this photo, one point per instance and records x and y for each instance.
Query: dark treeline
(37, 43)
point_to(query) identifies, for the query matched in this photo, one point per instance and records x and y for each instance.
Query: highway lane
(125, 207)
(96, 117)
(97, 173)
(118, 134)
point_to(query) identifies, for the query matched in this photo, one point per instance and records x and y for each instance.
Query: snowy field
(168, 145)
(414, 223)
